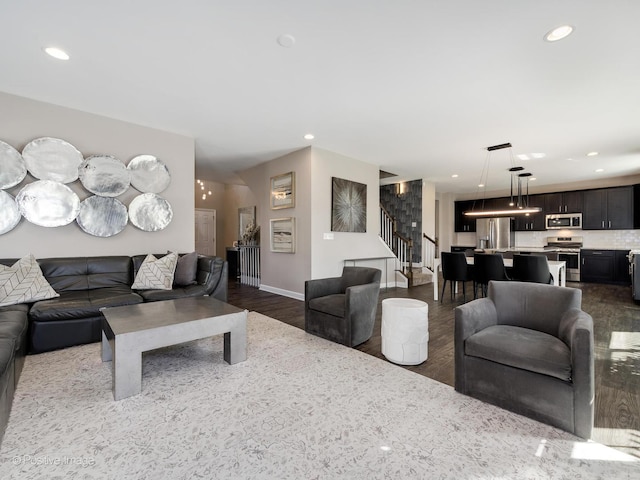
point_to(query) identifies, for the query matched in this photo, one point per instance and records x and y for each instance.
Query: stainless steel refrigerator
(495, 233)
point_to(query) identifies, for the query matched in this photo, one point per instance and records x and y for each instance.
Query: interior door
(205, 231)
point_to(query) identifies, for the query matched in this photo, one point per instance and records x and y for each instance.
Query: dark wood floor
(617, 346)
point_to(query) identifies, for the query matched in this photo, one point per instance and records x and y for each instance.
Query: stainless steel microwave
(563, 220)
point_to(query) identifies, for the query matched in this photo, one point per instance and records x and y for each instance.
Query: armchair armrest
(470, 318)
(474, 316)
(576, 330)
(321, 288)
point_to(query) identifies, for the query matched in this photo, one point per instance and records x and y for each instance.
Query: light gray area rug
(299, 408)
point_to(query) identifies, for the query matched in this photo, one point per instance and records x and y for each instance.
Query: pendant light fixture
(518, 202)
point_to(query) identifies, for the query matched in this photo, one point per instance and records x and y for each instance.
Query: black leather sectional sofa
(85, 285)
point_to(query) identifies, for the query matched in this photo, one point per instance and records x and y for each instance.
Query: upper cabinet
(462, 222)
(608, 209)
(533, 221)
(563, 202)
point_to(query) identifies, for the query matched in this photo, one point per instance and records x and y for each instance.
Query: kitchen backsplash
(612, 239)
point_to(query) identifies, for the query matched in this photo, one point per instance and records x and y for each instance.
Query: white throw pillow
(24, 282)
(156, 273)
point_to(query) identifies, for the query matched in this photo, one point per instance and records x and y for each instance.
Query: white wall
(328, 255)
(22, 120)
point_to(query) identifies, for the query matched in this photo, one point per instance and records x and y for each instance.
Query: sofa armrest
(361, 304)
(213, 275)
(470, 318)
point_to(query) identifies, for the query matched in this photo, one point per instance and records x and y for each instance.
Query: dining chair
(454, 269)
(487, 267)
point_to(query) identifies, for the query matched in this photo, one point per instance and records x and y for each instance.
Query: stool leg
(464, 295)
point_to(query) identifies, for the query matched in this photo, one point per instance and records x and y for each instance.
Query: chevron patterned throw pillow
(156, 273)
(24, 282)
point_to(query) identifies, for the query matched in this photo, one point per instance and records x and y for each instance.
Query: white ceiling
(418, 87)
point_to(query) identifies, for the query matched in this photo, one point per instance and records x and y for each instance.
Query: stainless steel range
(568, 249)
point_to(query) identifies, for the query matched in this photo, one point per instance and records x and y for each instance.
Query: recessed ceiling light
(523, 156)
(286, 40)
(309, 136)
(599, 170)
(56, 53)
(455, 175)
(532, 179)
(558, 33)
(538, 155)
(481, 185)
(592, 154)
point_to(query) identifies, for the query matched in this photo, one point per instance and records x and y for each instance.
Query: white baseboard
(284, 293)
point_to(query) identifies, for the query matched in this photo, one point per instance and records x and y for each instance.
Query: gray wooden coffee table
(130, 330)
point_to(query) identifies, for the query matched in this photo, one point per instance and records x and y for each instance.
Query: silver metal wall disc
(48, 204)
(12, 166)
(102, 216)
(150, 212)
(52, 159)
(104, 175)
(10, 216)
(148, 174)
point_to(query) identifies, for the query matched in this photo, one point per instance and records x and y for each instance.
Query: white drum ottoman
(405, 330)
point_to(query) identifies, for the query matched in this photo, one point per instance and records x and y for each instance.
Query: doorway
(205, 231)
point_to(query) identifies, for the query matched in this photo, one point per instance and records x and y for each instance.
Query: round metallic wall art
(148, 174)
(48, 204)
(104, 175)
(102, 216)
(52, 159)
(12, 167)
(10, 216)
(150, 212)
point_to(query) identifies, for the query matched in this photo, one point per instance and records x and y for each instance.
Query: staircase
(402, 248)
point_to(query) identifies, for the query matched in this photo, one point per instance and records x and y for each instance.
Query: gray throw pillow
(186, 270)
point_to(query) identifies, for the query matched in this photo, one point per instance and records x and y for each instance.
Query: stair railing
(249, 260)
(430, 251)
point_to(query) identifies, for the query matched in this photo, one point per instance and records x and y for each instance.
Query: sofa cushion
(156, 273)
(13, 325)
(23, 282)
(331, 304)
(86, 273)
(522, 348)
(175, 292)
(186, 270)
(6, 356)
(80, 304)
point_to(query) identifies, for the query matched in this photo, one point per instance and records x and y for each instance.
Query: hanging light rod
(499, 147)
(522, 207)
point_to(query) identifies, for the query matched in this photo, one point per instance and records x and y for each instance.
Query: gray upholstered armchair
(528, 348)
(343, 309)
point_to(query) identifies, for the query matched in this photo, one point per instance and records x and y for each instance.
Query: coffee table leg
(235, 342)
(107, 355)
(127, 371)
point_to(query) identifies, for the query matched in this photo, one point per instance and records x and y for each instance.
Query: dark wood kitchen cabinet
(563, 202)
(534, 221)
(462, 222)
(605, 266)
(597, 265)
(608, 209)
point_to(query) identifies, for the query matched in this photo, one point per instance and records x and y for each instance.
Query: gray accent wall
(406, 209)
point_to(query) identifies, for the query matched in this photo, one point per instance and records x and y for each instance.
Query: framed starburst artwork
(348, 206)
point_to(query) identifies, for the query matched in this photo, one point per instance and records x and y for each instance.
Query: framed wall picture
(283, 191)
(283, 235)
(348, 206)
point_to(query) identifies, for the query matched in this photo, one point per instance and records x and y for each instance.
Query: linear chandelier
(519, 202)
